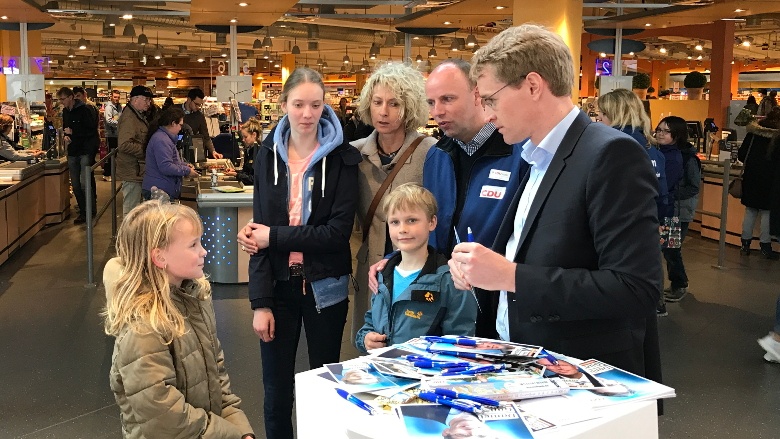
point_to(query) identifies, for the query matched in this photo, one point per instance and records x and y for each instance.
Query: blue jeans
(76, 166)
(749, 221)
(674, 262)
(324, 330)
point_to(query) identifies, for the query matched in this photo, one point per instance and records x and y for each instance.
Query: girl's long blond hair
(142, 298)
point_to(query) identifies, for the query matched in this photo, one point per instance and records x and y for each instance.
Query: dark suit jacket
(589, 270)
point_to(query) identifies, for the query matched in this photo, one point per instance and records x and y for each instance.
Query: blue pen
(453, 394)
(549, 357)
(477, 370)
(355, 400)
(470, 237)
(470, 355)
(450, 340)
(464, 406)
(430, 364)
(453, 370)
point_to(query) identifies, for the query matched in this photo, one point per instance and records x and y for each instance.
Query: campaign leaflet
(484, 346)
(429, 421)
(358, 376)
(599, 384)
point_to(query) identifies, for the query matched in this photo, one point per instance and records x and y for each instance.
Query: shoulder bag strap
(744, 164)
(385, 184)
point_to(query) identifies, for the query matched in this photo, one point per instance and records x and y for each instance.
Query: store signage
(10, 65)
(603, 67)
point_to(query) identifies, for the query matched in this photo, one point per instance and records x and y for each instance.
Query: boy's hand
(373, 283)
(375, 340)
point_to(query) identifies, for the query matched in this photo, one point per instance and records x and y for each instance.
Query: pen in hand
(470, 237)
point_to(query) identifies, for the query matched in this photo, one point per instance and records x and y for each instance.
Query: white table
(321, 413)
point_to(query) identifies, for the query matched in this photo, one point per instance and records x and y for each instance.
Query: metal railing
(88, 173)
(724, 205)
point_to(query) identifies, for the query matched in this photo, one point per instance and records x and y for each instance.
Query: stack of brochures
(443, 386)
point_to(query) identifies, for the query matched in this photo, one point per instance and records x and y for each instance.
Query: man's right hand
(375, 340)
(373, 283)
(264, 324)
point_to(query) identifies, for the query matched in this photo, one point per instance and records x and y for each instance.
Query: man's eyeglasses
(490, 101)
(662, 131)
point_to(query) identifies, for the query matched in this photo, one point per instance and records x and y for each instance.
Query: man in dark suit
(576, 258)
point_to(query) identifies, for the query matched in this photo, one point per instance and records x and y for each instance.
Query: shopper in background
(573, 257)
(133, 128)
(111, 111)
(251, 133)
(8, 148)
(80, 125)
(683, 177)
(624, 111)
(768, 101)
(194, 117)
(356, 129)
(167, 104)
(751, 105)
(393, 101)
(164, 168)
(168, 371)
(757, 180)
(304, 209)
(341, 111)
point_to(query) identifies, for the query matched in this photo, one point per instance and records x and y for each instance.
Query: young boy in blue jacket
(416, 294)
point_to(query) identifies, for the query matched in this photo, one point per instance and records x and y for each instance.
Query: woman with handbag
(757, 177)
(392, 101)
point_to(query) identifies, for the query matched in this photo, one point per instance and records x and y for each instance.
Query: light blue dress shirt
(539, 157)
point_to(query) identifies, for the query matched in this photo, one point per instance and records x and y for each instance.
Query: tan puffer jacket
(179, 390)
(133, 128)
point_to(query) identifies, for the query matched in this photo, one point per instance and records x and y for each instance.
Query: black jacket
(759, 169)
(83, 120)
(246, 175)
(197, 121)
(324, 240)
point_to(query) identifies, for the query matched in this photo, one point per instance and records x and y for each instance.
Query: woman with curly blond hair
(392, 101)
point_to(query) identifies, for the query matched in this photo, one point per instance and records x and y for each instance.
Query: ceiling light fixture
(648, 24)
(346, 56)
(234, 20)
(267, 43)
(471, 40)
(500, 7)
(257, 44)
(243, 4)
(127, 17)
(447, 23)
(142, 39)
(129, 31)
(295, 49)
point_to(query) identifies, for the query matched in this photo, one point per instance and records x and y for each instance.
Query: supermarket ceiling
(330, 30)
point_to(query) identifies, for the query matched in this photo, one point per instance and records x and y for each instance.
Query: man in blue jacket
(471, 171)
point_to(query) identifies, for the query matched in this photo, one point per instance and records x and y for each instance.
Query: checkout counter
(224, 210)
(32, 195)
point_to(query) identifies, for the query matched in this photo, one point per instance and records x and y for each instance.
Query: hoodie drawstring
(276, 168)
(323, 176)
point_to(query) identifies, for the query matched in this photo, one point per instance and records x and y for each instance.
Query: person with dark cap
(133, 129)
(194, 117)
(80, 125)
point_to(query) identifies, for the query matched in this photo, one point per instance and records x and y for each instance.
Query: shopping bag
(671, 234)
(743, 118)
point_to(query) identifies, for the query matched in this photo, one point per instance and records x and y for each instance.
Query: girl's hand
(246, 240)
(264, 324)
(261, 234)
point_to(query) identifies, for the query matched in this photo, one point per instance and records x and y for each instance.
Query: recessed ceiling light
(739, 10)
(447, 22)
(243, 4)
(233, 20)
(648, 24)
(603, 54)
(4, 17)
(128, 16)
(500, 7)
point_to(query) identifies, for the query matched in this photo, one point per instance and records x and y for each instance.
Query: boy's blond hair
(409, 196)
(142, 297)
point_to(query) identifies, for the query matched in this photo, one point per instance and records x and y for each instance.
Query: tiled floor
(55, 358)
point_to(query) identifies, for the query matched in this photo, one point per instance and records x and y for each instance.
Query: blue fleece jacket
(164, 167)
(494, 179)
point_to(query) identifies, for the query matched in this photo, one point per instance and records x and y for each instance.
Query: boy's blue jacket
(329, 202)
(494, 180)
(430, 306)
